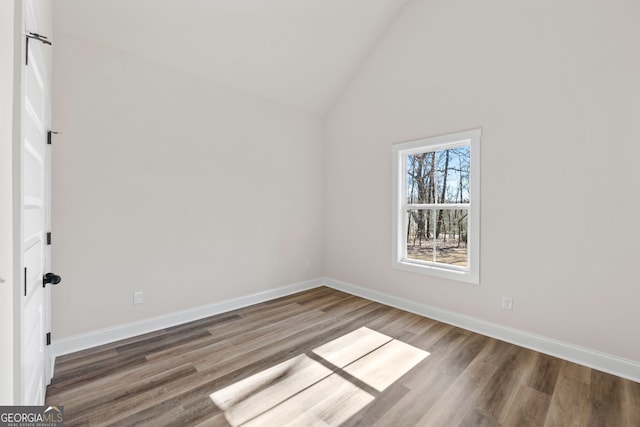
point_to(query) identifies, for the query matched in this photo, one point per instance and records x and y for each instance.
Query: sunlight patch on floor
(387, 364)
(352, 346)
(372, 357)
(303, 391)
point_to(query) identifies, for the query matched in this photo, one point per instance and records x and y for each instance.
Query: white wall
(172, 185)
(7, 27)
(556, 88)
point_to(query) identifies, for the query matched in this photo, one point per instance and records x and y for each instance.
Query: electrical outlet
(137, 298)
(308, 265)
(507, 303)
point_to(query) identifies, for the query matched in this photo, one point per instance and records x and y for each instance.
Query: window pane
(444, 230)
(420, 235)
(421, 178)
(452, 172)
(451, 236)
(438, 176)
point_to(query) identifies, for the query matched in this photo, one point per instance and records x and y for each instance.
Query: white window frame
(400, 151)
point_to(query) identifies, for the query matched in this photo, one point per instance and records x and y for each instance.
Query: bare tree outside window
(439, 179)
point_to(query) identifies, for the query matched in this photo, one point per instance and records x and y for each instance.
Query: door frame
(10, 86)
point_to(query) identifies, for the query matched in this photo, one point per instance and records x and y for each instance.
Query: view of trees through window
(437, 206)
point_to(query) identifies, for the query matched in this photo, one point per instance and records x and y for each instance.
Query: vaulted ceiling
(298, 52)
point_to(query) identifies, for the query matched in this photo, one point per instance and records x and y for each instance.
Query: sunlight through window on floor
(304, 391)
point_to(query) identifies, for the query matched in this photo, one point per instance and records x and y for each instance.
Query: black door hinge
(48, 338)
(25, 281)
(34, 36)
(49, 238)
(49, 134)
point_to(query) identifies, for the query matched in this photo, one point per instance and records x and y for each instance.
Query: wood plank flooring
(323, 357)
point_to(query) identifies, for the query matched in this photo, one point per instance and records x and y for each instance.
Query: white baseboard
(128, 330)
(583, 356)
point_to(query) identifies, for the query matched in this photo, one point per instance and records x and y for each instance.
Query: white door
(36, 121)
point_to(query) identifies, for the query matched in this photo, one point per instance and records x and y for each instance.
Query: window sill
(432, 270)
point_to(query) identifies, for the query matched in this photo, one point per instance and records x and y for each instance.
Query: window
(436, 209)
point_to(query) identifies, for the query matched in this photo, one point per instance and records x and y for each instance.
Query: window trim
(470, 274)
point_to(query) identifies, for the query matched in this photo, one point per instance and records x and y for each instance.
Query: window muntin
(435, 206)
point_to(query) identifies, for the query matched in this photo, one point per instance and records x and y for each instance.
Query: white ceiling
(297, 52)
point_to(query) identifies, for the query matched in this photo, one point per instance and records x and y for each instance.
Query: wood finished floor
(273, 364)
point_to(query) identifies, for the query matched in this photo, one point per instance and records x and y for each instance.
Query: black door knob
(54, 279)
